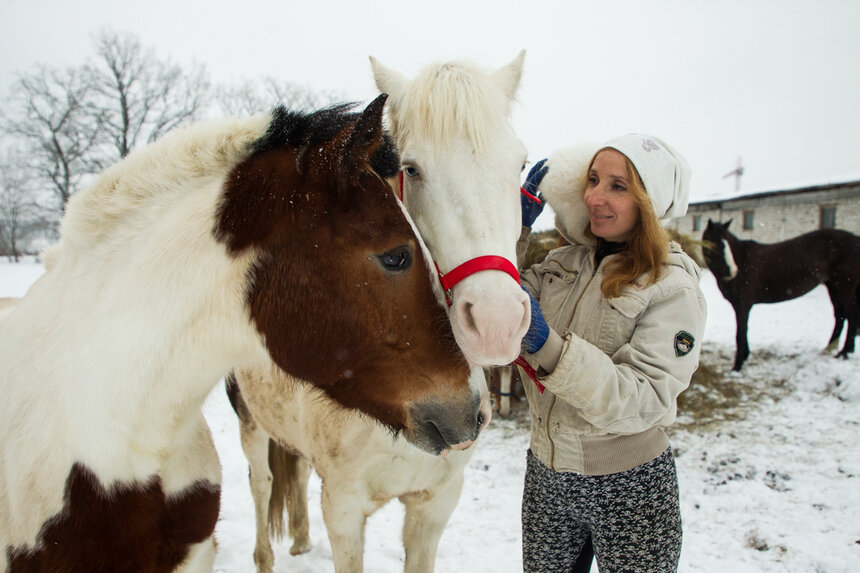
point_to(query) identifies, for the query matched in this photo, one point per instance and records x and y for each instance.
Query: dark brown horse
(748, 273)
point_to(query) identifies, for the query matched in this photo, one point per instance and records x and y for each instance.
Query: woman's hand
(538, 330)
(531, 208)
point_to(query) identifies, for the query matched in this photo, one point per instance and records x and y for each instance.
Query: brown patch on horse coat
(332, 206)
(131, 527)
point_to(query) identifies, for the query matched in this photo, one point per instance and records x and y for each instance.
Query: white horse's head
(461, 163)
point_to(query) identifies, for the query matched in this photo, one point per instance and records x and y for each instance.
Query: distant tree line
(61, 126)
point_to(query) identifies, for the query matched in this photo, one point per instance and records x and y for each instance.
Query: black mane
(291, 128)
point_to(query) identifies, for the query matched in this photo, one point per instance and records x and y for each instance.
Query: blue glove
(531, 208)
(538, 331)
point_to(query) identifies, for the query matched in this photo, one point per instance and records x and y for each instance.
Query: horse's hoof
(300, 547)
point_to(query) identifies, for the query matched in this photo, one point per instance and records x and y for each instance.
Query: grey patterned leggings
(633, 518)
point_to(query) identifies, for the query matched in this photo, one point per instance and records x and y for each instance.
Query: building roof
(812, 194)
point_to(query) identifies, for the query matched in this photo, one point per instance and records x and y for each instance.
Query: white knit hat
(663, 170)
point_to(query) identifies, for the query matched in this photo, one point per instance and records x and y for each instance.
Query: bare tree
(50, 110)
(247, 97)
(140, 96)
(20, 214)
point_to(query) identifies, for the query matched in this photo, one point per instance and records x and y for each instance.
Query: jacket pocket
(621, 315)
(556, 285)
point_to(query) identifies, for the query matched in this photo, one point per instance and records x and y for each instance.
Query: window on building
(697, 222)
(749, 220)
(828, 218)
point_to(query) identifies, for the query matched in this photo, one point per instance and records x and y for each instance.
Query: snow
(772, 488)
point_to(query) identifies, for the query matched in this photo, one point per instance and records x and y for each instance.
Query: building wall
(777, 216)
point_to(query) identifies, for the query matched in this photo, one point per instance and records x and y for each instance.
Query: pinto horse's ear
(367, 132)
(726, 226)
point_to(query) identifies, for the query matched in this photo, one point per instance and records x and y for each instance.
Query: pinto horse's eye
(396, 260)
(411, 171)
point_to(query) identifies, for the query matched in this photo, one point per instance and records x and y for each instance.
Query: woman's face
(611, 208)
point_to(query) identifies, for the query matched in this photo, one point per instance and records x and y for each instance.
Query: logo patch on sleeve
(684, 343)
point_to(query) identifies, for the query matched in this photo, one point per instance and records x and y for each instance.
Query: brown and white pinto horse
(223, 245)
(461, 164)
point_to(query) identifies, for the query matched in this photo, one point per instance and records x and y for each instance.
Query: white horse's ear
(388, 81)
(507, 78)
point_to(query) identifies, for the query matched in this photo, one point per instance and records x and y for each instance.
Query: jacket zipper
(548, 424)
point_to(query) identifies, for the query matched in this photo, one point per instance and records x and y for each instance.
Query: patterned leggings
(633, 518)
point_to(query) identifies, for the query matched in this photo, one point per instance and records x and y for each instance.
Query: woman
(617, 321)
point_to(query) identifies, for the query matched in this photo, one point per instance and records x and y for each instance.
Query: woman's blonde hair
(647, 248)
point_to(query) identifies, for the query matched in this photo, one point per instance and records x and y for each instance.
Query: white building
(775, 216)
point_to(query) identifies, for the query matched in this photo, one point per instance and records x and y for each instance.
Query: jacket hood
(563, 187)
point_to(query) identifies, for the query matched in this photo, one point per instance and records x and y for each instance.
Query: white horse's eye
(411, 171)
(523, 168)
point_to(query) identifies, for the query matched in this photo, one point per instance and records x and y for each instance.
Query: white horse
(220, 246)
(461, 163)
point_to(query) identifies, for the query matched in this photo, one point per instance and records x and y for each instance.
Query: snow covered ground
(773, 487)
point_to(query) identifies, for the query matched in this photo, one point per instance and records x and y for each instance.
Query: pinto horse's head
(341, 292)
(716, 247)
(461, 164)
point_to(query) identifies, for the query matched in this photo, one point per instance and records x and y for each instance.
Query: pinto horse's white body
(462, 163)
(106, 462)
(95, 375)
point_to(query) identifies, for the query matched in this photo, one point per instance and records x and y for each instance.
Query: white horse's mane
(471, 99)
(131, 192)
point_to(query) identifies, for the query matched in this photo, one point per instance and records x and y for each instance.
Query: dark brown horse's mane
(291, 128)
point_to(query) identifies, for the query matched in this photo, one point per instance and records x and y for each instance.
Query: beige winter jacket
(612, 368)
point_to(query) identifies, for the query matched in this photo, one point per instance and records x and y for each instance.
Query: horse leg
(848, 347)
(742, 314)
(853, 326)
(201, 456)
(345, 509)
(505, 390)
(255, 442)
(427, 514)
(839, 317)
(200, 559)
(492, 376)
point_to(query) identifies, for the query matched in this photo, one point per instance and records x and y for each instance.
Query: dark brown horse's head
(717, 251)
(341, 292)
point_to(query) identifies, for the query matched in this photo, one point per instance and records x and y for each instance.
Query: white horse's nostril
(468, 317)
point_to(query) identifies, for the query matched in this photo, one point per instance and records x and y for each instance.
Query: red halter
(472, 266)
(476, 265)
(483, 263)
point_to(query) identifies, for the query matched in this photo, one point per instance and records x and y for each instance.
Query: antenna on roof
(736, 173)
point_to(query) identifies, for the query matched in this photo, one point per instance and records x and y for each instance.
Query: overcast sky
(776, 83)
